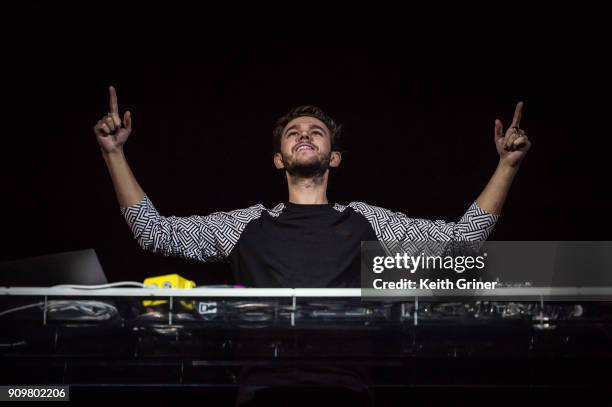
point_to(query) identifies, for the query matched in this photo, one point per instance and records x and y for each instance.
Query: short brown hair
(311, 111)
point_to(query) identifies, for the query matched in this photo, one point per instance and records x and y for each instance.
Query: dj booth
(551, 341)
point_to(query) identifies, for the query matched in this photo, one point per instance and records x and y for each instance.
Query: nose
(304, 135)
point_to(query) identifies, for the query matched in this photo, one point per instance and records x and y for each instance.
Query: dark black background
(418, 94)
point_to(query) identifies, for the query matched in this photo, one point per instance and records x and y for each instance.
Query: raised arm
(480, 218)
(112, 133)
(203, 238)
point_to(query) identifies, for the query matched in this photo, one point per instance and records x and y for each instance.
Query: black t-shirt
(305, 246)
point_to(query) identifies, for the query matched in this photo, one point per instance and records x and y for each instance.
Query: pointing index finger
(518, 113)
(114, 108)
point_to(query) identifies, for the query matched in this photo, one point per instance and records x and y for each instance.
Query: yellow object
(169, 281)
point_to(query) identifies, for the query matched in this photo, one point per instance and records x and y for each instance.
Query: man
(306, 241)
(303, 242)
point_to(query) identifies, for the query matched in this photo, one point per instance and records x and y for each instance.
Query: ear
(335, 159)
(278, 161)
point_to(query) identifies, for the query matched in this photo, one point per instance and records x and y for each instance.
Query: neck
(308, 191)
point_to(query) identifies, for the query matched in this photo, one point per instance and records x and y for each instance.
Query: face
(305, 148)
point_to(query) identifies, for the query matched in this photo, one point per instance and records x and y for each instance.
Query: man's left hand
(514, 144)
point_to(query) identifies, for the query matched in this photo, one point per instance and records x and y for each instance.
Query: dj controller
(211, 338)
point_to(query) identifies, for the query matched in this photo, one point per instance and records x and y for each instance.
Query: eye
(291, 133)
(318, 132)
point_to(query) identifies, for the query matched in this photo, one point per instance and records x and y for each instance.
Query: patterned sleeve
(475, 225)
(203, 238)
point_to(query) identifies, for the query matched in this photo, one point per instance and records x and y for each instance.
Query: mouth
(304, 147)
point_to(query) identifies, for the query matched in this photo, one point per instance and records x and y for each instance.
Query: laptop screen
(80, 267)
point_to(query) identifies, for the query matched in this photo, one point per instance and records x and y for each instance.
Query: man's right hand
(110, 131)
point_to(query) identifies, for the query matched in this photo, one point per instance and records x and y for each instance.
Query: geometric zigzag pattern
(475, 225)
(212, 237)
(401, 234)
(203, 238)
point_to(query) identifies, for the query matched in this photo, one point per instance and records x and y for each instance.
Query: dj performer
(306, 241)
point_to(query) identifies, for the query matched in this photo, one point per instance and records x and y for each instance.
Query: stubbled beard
(310, 169)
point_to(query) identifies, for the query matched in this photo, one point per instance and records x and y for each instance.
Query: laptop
(80, 267)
